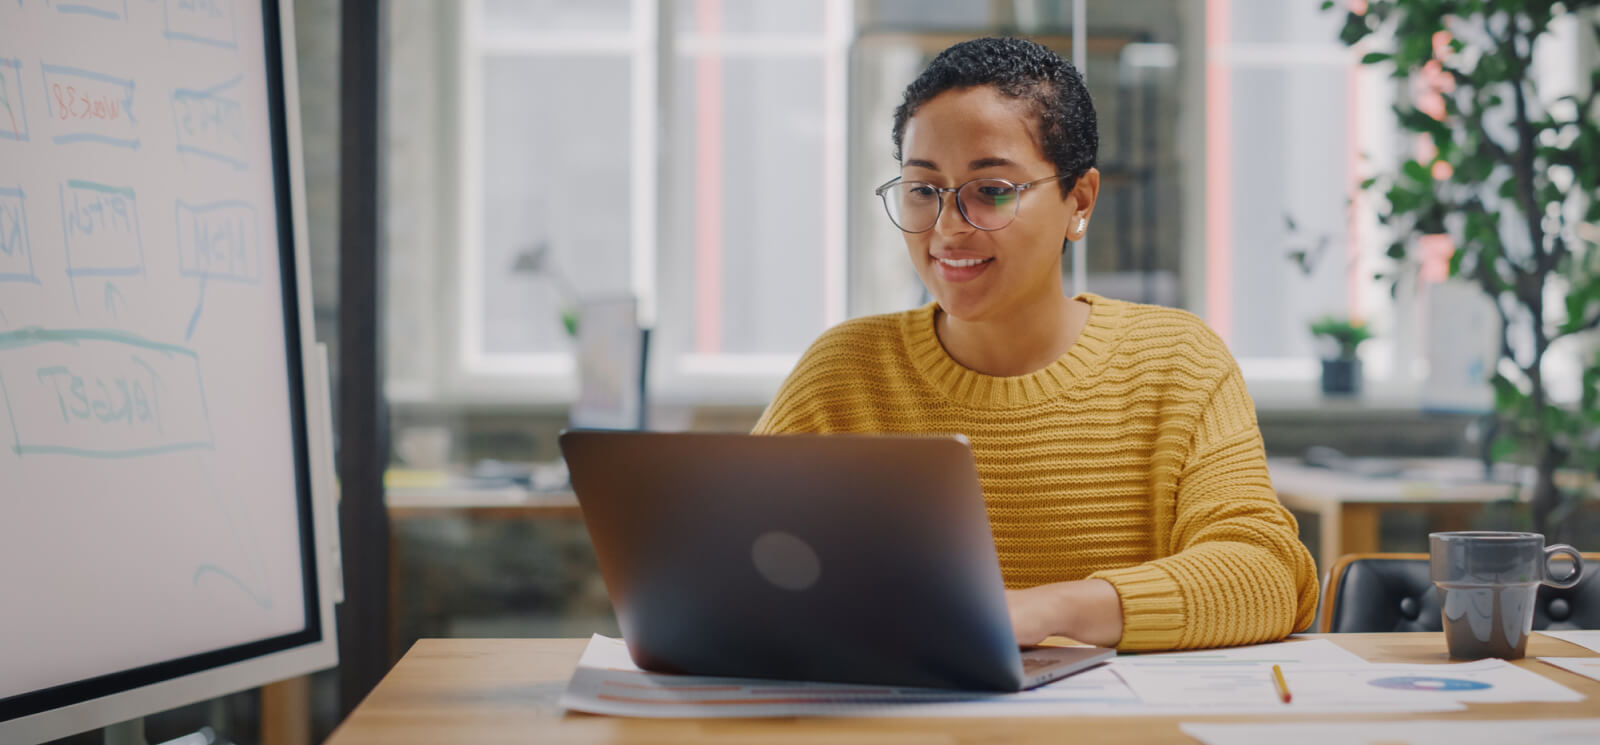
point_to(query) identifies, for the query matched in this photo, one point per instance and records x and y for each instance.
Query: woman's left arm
(1236, 572)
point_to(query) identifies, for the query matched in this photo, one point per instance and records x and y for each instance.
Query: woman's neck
(1016, 344)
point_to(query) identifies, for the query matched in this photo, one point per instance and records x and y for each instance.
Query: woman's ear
(1082, 199)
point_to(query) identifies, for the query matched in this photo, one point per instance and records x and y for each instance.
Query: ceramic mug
(1487, 582)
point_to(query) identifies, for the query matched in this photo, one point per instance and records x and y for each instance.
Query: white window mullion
(643, 171)
(470, 207)
(836, 30)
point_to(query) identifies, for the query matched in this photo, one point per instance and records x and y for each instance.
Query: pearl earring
(1083, 224)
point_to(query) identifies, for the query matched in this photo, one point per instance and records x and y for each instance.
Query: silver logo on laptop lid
(785, 561)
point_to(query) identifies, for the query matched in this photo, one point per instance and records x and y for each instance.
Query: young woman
(1121, 465)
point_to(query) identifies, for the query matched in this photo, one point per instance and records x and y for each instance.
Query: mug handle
(1577, 565)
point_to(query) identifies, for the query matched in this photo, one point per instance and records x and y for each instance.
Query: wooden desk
(1348, 505)
(486, 691)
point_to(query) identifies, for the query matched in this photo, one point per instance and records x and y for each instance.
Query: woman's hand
(1088, 610)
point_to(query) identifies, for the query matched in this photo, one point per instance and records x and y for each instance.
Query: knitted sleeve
(1236, 571)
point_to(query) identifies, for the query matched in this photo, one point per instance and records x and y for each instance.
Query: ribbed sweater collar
(981, 391)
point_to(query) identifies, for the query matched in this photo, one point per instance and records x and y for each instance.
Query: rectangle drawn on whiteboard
(87, 106)
(210, 123)
(101, 394)
(218, 241)
(111, 10)
(101, 225)
(202, 21)
(13, 109)
(16, 255)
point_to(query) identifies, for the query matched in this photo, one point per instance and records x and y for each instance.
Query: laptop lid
(853, 558)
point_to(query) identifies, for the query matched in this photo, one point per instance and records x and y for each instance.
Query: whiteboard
(156, 511)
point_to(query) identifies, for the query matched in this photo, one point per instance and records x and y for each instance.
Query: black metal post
(363, 521)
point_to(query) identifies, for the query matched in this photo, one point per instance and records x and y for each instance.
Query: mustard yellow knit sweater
(1134, 458)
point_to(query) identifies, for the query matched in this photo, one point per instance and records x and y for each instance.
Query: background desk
(1347, 504)
(416, 605)
(505, 690)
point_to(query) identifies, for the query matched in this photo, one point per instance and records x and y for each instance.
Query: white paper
(1351, 686)
(1290, 652)
(1588, 667)
(1517, 732)
(1588, 639)
(607, 682)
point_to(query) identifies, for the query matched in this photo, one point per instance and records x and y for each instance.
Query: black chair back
(1393, 592)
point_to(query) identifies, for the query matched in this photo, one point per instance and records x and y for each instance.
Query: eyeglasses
(985, 203)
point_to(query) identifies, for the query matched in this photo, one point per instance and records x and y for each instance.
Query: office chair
(1394, 592)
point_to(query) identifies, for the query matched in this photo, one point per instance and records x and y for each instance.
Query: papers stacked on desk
(1542, 731)
(1324, 678)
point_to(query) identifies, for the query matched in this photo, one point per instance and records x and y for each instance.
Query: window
(557, 177)
(584, 171)
(1289, 118)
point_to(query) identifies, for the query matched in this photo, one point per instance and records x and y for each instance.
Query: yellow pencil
(1279, 683)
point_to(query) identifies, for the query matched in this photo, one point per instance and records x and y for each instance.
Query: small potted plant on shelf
(1341, 375)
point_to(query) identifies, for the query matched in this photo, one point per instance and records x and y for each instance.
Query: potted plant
(1514, 182)
(1341, 374)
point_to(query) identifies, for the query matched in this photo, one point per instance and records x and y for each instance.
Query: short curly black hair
(1024, 70)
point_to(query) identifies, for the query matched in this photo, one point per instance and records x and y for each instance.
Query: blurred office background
(714, 160)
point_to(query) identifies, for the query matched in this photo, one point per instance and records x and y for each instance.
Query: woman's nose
(950, 221)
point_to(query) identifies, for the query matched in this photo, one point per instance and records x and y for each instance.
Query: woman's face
(971, 133)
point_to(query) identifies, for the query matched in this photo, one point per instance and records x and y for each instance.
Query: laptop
(839, 558)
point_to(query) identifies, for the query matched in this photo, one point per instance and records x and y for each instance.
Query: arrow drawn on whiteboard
(112, 296)
(199, 305)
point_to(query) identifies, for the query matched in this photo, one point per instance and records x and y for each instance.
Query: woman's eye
(996, 193)
(922, 192)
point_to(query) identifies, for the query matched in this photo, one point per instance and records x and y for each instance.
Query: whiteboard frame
(321, 653)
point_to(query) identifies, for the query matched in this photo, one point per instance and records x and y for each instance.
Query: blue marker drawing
(13, 109)
(100, 224)
(5, 397)
(264, 601)
(207, 22)
(16, 254)
(218, 240)
(99, 393)
(194, 318)
(86, 106)
(210, 123)
(230, 506)
(114, 10)
(112, 296)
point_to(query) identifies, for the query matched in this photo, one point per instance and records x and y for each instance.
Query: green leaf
(1417, 172)
(1403, 200)
(1355, 29)
(1326, 4)
(1415, 49)
(1397, 251)
(1372, 58)
(1506, 394)
(1367, 183)
(1502, 449)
